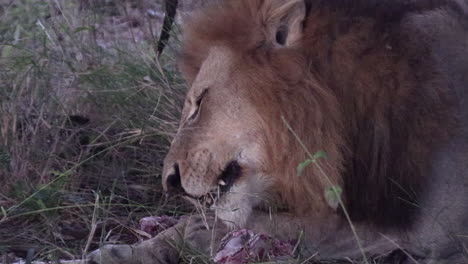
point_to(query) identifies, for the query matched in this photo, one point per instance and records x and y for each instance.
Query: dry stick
(171, 10)
(348, 218)
(69, 255)
(93, 225)
(309, 258)
(398, 246)
(202, 212)
(218, 194)
(301, 234)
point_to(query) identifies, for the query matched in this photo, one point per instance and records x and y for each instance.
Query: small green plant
(334, 192)
(333, 196)
(307, 162)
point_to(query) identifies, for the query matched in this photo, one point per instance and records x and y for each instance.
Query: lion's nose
(173, 182)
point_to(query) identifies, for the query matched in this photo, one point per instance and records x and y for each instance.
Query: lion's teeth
(222, 183)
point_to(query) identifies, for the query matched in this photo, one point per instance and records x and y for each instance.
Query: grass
(87, 112)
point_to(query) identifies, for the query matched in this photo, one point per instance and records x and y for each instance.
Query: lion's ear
(284, 20)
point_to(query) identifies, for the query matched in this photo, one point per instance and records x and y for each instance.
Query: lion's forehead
(215, 68)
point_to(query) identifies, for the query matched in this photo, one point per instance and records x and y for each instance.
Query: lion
(378, 88)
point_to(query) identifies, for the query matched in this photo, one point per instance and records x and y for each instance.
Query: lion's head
(249, 111)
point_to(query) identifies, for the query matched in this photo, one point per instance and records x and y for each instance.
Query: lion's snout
(173, 184)
(191, 173)
(199, 175)
(184, 179)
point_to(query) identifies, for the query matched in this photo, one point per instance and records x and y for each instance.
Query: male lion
(379, 86)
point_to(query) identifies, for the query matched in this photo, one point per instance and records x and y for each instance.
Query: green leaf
(307, 162)
(302, 166)
(319, 155)
(79, 29)
(41, 204)
(6, 51)
(4, 212)
(333, 196)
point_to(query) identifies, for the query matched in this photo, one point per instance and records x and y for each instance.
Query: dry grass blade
(93, 226)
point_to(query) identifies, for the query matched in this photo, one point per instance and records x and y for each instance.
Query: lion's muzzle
(173, 183)
(224, 181)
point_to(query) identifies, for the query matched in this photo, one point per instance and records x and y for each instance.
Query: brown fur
(239, 30)
(355, 93)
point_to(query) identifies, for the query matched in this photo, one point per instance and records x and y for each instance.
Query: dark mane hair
(388, 147)
(377, 8)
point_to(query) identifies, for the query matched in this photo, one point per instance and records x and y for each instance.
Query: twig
(171, 10)
(93, 225)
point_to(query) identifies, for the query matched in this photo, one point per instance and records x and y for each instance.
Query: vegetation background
(87, 112)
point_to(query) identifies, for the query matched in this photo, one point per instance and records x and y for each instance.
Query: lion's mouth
(231, 173)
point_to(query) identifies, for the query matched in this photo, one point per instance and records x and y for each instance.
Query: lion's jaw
(251, 189)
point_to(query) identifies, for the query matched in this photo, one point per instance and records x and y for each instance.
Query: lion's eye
(282, 35)
(198, 104)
